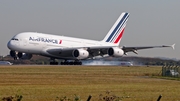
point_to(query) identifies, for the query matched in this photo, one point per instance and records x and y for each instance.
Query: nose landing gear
(13, 54)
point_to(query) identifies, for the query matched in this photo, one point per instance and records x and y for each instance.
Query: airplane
(73, 50)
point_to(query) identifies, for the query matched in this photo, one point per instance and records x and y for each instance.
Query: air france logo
(60, 42)
(46, 40)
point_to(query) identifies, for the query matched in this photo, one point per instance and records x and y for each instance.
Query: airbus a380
(72, 50)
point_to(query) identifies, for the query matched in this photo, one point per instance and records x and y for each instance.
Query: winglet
(173, 46)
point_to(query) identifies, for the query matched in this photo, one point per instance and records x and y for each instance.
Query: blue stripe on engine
(112, 34)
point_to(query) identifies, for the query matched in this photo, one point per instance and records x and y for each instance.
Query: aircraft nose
(10, 44)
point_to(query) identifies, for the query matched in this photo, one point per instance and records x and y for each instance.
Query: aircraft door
(24, 42)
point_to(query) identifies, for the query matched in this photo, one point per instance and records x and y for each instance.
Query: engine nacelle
(115, 52)
(80, 54)
(24, 55)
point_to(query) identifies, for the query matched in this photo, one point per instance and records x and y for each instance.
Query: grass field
(45, 83)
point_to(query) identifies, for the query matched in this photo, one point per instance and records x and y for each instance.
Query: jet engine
(115, 52)
(24, 55)
(80, 54)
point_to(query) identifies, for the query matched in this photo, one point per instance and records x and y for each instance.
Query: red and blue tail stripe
(116, 32)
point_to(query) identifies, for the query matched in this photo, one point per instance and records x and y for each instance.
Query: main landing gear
(76, 62)
(53, 62)
(71, 63)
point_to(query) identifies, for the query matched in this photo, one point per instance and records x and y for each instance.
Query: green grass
(45, 83)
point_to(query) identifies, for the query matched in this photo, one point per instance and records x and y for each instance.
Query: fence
(171, 70)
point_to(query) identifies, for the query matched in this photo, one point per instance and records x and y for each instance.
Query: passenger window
(14, 39)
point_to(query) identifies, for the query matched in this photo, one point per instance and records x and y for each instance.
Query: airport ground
(46, 83)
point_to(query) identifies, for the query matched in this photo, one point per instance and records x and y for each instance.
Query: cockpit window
(14, 39)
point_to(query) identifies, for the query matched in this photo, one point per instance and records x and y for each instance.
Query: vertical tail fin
(115, 33)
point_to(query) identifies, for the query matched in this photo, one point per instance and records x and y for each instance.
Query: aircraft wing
(98, 51)
(93, 51)
(134, 49)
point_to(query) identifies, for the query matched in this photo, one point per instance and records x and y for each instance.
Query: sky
(151, 22)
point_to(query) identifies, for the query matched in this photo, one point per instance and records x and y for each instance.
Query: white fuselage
(38, 43)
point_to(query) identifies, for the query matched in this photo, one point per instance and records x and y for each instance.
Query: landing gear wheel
(15, 58)
(71, 63)
(53, 63)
